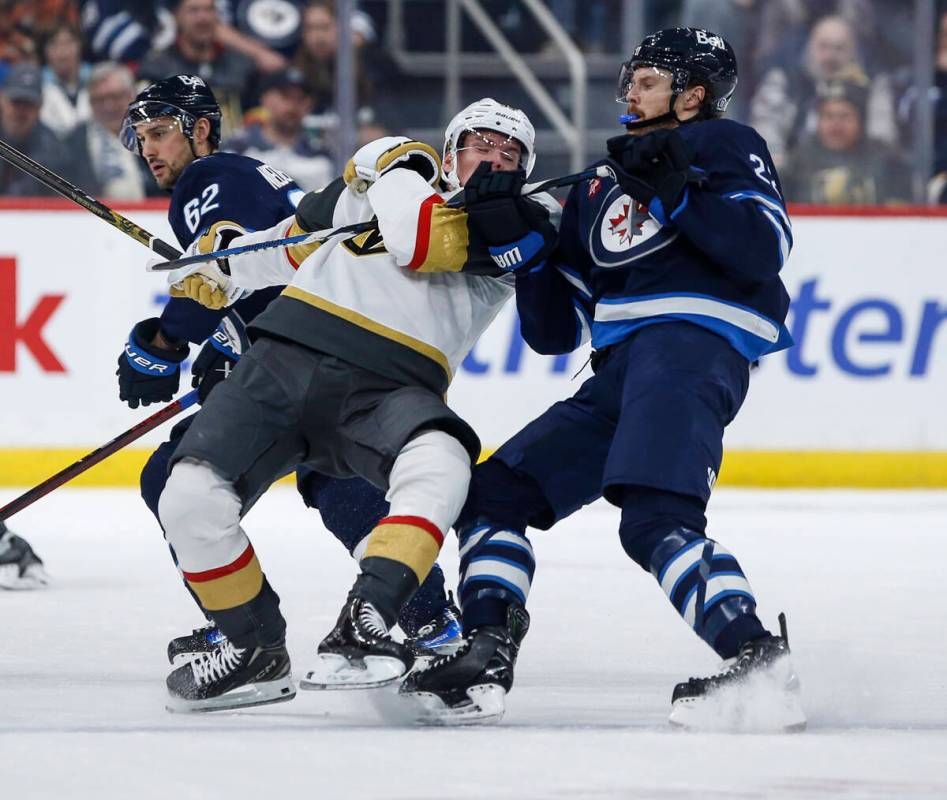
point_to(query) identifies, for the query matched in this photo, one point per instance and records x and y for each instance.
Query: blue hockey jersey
(224, 186)
(715, 262)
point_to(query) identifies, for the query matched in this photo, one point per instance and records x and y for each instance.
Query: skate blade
(486, 707)
(333, 671)
(767, 702)
(33, 577)
(254, 694)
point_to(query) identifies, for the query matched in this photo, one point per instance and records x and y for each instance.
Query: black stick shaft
(74, 193)
(100, 454)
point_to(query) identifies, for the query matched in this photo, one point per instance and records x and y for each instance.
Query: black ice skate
(469, 687)
(205, 639)
(358, 653)
(442, 636)
(20, 567)
(757, 691)
(229, 677)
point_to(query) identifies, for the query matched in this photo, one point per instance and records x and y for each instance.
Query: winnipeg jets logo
(623, 230)
(594, 185)
(626, 221)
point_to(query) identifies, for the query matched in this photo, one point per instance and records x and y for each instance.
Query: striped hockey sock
(706, 585)
(496, 570)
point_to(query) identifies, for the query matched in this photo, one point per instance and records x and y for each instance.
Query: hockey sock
(257, 623)
(496, 570)
(350, 509)
(399, 556)
(706, 585)
(663, 532)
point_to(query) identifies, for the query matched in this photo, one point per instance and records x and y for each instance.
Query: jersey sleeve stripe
(423, 238)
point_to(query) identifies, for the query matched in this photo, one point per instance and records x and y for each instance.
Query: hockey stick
(69, 191)
(100, 454)
(359, 227)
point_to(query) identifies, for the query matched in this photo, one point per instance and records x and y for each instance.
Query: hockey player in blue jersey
(174, 125)
(672, 269)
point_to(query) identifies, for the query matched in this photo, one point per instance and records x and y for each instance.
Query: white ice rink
(861, 576)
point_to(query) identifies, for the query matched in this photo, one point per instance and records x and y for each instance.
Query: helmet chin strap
(633, 122)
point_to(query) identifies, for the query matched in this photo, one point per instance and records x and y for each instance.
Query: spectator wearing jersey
(65, 92)
(97, 160)
(840, 164)
(280, 137)
(784, 107)
(196, 51)
(116, 30)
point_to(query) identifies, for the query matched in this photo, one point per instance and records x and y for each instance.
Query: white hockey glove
(374, 159)
(209, 284)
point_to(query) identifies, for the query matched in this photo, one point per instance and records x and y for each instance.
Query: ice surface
(861, 577)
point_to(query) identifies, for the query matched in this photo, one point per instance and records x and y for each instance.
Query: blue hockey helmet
(185, 98)
(692, 56)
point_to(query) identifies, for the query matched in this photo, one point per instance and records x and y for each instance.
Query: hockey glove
(20, 567)
(146, 372)
(218, 357)
(374, 159)
(654, 169)
(515, 230)
(210, 284)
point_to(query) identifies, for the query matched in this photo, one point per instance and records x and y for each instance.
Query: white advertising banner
(868, 372)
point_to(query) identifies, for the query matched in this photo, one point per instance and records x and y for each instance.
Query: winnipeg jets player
(672, 269)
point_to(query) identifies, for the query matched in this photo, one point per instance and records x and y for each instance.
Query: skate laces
(371, 622)
(216, 664)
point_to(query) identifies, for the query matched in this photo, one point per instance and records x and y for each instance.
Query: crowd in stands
(828, 83)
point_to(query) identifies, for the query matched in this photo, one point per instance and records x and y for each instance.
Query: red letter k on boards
(30, 331)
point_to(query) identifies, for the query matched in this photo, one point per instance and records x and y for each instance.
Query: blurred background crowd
(851, 95)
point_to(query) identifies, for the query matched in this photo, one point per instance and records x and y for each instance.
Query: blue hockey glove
(148, 373)
(515, 230)
(218, 357)
(654, 169)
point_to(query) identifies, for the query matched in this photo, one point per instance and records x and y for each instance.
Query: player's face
(502, 153)
(165, 148)
(648, 92)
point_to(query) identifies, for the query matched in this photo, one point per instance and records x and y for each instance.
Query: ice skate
(204, 639)
(469, 687)
(20, 567)
(358, 653)
(755, 692)
(442, 636)
(229, 677)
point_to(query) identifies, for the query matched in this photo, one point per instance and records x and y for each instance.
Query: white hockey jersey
(401, 301)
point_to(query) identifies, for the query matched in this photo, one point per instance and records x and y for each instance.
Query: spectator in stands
(783, 107)
(196, 51)
(21, 96)
(316, 56)
(65, 94)
(117, 30)
(97, 161)
(280, 138)
(839, 164)
(16, 45)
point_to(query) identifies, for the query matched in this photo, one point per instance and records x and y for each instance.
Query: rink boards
(857, 402)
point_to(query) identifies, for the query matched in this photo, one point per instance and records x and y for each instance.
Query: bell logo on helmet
(709, 38)
(191, 80)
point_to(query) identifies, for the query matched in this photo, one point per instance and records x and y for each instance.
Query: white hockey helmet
(488, 114)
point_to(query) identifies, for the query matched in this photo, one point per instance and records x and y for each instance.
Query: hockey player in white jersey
(347, 374)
